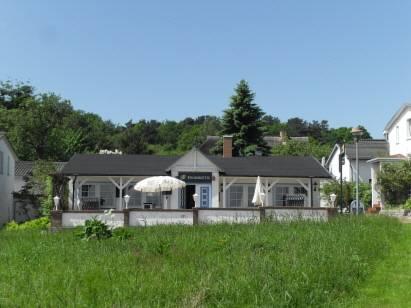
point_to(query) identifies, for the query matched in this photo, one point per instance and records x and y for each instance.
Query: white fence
(151, 217)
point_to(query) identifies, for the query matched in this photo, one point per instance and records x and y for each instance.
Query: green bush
(41, 223)
(95, 229)
(407, 205)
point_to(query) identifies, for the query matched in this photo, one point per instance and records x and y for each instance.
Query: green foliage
(297, 148)
(395, 182)
(45, 126)
(40, 185)
(298, 264)
(243, 120)
(348, 192)
(42, 223)
(95, 229)
(122, 234)
(407, 205)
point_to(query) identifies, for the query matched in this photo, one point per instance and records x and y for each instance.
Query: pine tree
(243, 120)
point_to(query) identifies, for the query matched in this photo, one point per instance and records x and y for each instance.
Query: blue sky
(345, 61)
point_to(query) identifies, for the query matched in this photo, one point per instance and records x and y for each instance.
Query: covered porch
(238, 192)
(108, 192)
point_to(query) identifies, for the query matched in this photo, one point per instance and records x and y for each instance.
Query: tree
(395, 182)
(348, 192)
(243, 120)
(298, 148)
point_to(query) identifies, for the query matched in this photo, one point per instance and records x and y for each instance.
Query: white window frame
(236, 196)
(397, 134)
(409, 128)
(8, 165)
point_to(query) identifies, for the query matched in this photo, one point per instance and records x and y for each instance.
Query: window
(107, 195)
(8, 165)
(299, 190)
(135, 197)
(88, 191)
(250, 191)
(153, 198)
(397, 135)
(1, 162)
(280, 196)
(235, 196)
(409, 128)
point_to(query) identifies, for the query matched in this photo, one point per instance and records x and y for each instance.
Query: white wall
(75, 219)
(6, 183)
(228, 216)
(153, 217)
(403, 147)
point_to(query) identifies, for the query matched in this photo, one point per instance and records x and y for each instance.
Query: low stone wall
(77, 218)
(159, 217)
(395, 212)
(151, 217)
(290, 213)
(218, 215)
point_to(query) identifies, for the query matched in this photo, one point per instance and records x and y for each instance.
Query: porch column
(310, 193)
(224, 190)
(121, 194)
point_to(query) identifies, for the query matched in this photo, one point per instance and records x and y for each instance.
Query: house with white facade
(100, 181)
(7, 162)
(367, 149)
(397, 133)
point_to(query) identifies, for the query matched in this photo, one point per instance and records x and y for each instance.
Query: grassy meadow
(296, 264)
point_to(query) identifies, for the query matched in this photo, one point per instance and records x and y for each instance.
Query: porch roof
(152, 165)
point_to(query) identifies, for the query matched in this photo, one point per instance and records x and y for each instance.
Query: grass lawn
(295, 264)
(390, 285)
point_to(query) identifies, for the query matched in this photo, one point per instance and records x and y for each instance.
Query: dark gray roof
(113, 164)
(368, 149)
(24, 168)
(275, 166)
(151, 165)
(271, 141)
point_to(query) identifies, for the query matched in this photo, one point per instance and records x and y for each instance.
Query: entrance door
(190, 191)
(204, 196)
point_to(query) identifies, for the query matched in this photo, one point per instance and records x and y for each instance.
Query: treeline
(45, 126)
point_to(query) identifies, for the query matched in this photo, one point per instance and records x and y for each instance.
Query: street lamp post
(357, 133)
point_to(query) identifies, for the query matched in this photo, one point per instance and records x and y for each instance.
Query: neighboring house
(7, 161)
(272, 141)
(102, 180)
(25, 168)
(397, 133)
(367, 149)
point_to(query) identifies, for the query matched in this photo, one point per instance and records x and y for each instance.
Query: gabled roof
(4, 137)
(24, 168)
(151, 165)
(396, 116)
(368, 149)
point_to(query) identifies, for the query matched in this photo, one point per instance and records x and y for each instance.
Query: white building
(7, 162)
(100, 181)
(367, 149)
(398, 135)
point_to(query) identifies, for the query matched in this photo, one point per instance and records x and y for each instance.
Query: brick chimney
(227, 146)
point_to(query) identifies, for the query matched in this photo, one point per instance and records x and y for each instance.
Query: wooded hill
(45, 126)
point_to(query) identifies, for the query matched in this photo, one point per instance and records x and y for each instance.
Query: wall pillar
(56, 220)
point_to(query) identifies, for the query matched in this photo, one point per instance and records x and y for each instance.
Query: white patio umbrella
(159, 184)
(258, 198)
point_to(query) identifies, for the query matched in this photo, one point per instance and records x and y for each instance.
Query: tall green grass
(288, 264)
